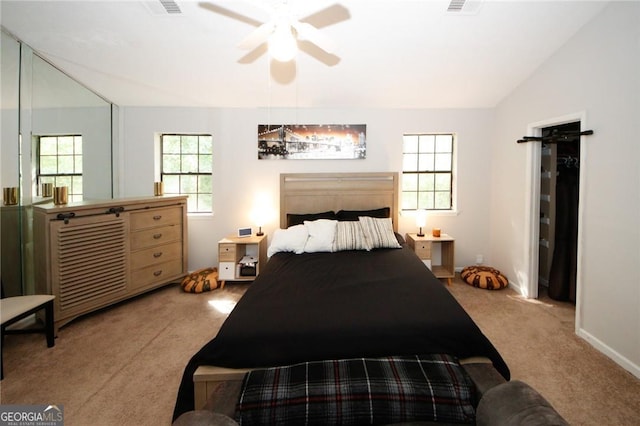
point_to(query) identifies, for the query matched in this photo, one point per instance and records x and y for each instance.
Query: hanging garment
(562, 277)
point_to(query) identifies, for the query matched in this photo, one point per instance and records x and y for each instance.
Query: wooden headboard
(318, 192)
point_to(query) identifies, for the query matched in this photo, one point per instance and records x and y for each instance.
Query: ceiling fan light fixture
(282, 44)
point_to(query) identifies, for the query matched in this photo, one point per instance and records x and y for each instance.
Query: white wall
(596, 73)
(239, 176)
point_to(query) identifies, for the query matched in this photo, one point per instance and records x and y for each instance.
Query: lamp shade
(260, 217)
(262, 211)
(421, 218)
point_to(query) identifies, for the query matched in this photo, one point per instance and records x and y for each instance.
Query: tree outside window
(187, 166)
(427, 171)
(60, 163)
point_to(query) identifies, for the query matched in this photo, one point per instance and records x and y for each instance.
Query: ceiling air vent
(456, 5)
(464, 7)
(163, 7)
(170, 6)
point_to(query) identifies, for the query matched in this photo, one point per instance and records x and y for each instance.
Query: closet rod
(555, 138)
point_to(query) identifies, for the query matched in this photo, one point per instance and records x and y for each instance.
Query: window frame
(60, 179)
(167, 189)
(450, 171)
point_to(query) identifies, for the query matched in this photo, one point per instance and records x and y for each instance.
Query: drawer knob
(158, 254)
(157, 217)
(157, 273)
(157, 236)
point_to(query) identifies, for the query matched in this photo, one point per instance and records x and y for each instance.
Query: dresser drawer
(226, 252)
(153, 274)
(155, 236)
(423, 249)
(156, 255)
(156, 217)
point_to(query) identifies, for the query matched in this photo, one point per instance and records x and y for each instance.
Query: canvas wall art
(312, 141)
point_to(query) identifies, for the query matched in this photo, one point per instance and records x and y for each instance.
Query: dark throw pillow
(354, 215)
(298, 219)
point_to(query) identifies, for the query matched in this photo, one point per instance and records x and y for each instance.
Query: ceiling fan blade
(331, 15)
(257, 36)
(329, 59)
(310, 33)
(254, 54)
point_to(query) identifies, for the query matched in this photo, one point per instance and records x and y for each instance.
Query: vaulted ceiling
(389, 53)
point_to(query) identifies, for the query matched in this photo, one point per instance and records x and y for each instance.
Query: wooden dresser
(95, 253)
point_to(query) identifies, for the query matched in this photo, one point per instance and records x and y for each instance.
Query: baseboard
(517, 288)
(609, 352)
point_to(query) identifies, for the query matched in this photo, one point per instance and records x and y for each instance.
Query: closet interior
(559, 198)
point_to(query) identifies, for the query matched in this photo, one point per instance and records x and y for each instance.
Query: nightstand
(231, 252)
(422, 247)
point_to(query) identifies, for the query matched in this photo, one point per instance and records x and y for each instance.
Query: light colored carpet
(537, 340)
(123, 365)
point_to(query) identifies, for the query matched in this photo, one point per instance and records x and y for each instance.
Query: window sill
(200, 216)
(432, 213)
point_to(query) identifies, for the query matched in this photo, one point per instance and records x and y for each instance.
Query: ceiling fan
(284, 33)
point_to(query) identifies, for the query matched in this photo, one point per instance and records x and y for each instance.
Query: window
(186, 167)
(427, 171)
(60, 163)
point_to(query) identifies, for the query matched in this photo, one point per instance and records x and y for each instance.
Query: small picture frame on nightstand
(244, 232)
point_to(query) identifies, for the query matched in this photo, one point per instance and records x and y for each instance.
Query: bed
(314, 306)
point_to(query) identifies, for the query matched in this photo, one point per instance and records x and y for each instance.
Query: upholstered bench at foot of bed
(388, 389)
(500, 403)
(508, 404)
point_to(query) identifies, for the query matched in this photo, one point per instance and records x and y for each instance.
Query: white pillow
(321, 234)
(292, 239)
(349, 236)
(379, 232)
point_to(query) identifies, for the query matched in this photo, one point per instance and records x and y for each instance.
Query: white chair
(13, 309)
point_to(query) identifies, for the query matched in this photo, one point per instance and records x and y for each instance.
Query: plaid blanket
(359, 391)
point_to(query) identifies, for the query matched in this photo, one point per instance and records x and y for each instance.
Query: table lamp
(261, 212)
